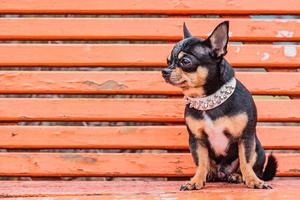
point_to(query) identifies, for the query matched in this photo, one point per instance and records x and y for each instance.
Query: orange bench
(49, 56)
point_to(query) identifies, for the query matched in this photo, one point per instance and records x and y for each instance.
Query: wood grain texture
(62, 190)
(129, 82)
(132, 55)
(113, 164)
(144, 28)
(280, 194)
(156, 110)
(151, 7)
(127, 137)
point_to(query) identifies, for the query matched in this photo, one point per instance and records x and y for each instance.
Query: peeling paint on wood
(290, 51)
(265, 56)
(285, 33)
(294, 170)
(107, 85)
(78, 158)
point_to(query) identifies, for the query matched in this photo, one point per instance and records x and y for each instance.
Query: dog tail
(270, 169)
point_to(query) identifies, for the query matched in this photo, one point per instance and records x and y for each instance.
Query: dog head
(196, 65)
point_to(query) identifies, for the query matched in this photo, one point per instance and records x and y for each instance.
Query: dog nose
(166, 72)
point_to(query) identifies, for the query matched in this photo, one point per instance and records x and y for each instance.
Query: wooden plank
(112, 164)
(252, 194)
(140, 190)
(144, 28)
(136, 55)
(157, 110)
(150, 7)
(127, 137)
(130, 82)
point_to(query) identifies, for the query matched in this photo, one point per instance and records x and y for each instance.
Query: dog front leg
(247, 158)
(199, 179)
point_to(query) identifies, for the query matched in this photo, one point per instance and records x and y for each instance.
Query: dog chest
(214, 129)
(216, 136)
(215, 133)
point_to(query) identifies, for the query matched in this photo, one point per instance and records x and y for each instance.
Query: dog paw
(258, 184)
(235, 178)
(263, 186)
(192, 186)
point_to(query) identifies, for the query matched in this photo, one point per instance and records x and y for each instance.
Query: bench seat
(282, 189)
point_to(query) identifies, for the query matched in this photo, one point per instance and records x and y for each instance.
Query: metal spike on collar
(214, 100)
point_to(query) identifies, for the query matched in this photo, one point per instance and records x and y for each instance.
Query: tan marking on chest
(196, 126)
(216, 137)
(215, 129)
(234, 125)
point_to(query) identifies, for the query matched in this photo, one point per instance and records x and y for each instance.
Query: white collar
(214, 100)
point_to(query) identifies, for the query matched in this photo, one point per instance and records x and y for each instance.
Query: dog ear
(218, 40)
(186, 32)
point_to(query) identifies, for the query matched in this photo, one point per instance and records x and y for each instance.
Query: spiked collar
(214, 100)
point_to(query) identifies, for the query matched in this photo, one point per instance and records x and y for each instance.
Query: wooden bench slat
(159, 110)
(147, 110)
(141, 190)
(112, 164)
(131, 82)
(150, 7)
(144, 28)
(278, 194)
(289, 194)
(136, 55)
(134, 137)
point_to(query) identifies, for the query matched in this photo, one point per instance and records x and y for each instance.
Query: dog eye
(185, 62)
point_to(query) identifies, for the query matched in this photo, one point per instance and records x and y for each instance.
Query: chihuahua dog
(220, 114)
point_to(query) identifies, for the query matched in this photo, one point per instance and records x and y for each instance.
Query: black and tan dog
(220, 114)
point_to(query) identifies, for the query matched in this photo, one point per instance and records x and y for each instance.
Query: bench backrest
(48, 56)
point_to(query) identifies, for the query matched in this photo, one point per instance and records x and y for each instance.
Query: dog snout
(166, 73)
